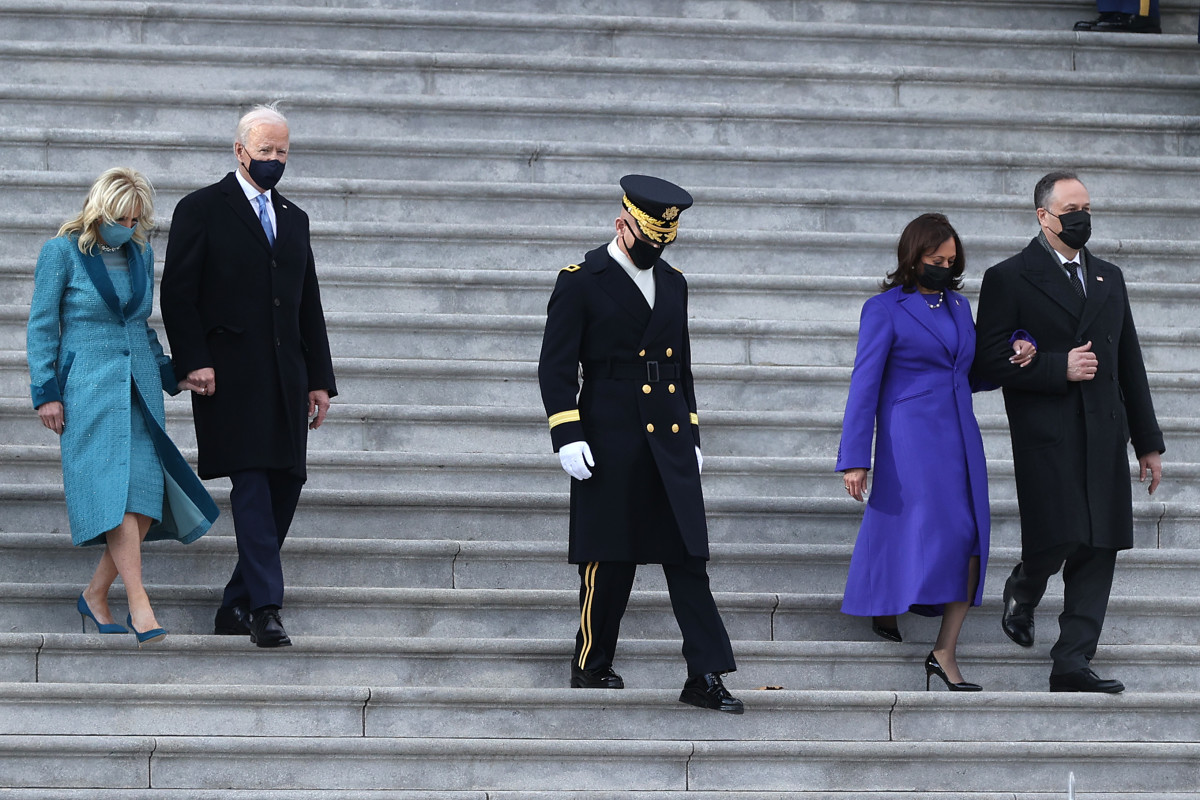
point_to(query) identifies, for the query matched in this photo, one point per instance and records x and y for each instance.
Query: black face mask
(1076, 228)
(643, 254)
(265, 174)
(935, 278)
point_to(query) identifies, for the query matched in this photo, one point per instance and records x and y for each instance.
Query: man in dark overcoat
(630, 440)
(1071, 413)
(242, 312)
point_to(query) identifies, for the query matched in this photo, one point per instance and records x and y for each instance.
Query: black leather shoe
(266, 629)
(1116, 22)
(1084, 680)
(1017, 618)
(232, 621)
(884, 632)
(707, 691)
(599, 678)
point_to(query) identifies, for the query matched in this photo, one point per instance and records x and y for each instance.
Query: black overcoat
(1069, 438)
(253, 313)
(636, 409)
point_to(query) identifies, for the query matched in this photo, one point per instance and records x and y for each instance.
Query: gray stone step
(558, 794)
(889, 169)
(552, 613)
(448, 564)
(526, 516)
(811, 84)
(384, 712)
(357, 762)
(544, 663)
(1165, 133)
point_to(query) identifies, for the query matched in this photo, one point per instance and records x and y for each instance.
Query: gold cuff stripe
(564, 416)
(655, 229)
(695, 418)
(585, 611)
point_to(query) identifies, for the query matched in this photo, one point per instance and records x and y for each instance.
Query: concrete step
(810, 210)
(554, 613)
(384, 712)
(312, 561)
(526, 516)
(1165, 133)
(163, 154)
(865, 83)
(544, 663)
(627, 27)
(557, 794)
(357, 762)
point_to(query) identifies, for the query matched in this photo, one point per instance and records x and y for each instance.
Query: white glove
(699, 461)
(575, 458)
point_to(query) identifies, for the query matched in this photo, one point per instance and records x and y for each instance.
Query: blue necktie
(265, 219)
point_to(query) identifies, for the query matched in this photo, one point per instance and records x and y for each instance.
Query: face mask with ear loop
(643, 254)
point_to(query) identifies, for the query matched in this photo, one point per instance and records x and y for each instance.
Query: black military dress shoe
(266, 629)
(599, 678)
(707, 691)
(1116, 22)
(1017, 618)
(232, 621)
(1084, 680)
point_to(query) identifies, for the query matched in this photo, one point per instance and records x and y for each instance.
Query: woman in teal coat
(97, 373)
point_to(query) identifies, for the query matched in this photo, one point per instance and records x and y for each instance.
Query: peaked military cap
(656, 205)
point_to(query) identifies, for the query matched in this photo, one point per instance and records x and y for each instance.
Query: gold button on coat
(669, 352)
(645, 388)
(671, 388)
(650, 428)
(642, 353)
(674, 429)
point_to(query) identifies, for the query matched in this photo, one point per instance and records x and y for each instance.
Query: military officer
(630, 440)
(1129, 16)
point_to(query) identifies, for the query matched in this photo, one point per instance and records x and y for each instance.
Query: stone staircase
(452, 157)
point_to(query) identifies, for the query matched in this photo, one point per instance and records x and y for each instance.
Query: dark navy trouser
(263, 502)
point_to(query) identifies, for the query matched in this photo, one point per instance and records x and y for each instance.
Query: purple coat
(927, 507)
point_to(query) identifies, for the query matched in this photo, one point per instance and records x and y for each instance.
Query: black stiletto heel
(932, 667)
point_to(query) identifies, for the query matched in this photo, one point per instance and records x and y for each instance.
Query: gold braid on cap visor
(654, 229)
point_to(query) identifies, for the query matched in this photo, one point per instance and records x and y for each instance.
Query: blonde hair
(118, 192)
(259, 115)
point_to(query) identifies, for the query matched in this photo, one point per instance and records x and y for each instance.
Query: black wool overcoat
(1069, 438)
(636, 409)
(253, 313)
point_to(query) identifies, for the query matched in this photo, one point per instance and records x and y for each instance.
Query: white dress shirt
(642, 278)
(252, 195)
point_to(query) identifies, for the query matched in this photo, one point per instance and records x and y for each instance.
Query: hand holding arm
(201, 381)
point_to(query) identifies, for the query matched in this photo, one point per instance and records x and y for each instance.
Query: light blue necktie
(265, 219)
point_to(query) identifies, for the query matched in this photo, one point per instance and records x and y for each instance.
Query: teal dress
(89, 347)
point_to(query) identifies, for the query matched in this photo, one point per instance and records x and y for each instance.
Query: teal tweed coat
(98, 357)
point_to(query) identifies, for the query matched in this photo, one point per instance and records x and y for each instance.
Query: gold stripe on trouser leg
(585, 611)
(1144, 8)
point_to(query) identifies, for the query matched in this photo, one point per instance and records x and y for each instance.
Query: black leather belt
(647, 371)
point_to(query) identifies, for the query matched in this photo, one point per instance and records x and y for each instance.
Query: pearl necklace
(938, 304)
(106, 249)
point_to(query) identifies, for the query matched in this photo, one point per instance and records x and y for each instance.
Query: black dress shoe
(1116, 22)
(707, 691)
(884, 632)
(1084, 680)
(1017, 618)
(232, 621)
(266, 629)
(599, 678)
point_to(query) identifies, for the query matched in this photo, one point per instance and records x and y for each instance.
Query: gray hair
(1045, 187)
(261, 114)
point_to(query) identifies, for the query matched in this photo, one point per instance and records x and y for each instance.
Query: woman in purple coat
(923, 543)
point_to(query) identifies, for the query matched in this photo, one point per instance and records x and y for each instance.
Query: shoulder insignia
(572, 268)
(677, 269)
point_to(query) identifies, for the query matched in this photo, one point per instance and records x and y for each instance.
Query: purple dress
(927, 507)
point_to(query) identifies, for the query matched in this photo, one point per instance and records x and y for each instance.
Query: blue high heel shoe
(85, 614)
(145, 637)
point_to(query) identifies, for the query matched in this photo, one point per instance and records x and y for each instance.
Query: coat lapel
(1042, 270)
(283, 218)
(960, 311)
(919, 310)
(137, 277)
(617, 285)
(242, 209)
(93, 264)
(666, 301)
(1099, 279)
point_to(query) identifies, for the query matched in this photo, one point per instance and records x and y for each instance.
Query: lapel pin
(283, 205)
(1100, 279)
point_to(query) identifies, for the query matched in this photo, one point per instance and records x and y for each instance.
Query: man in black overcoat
(242, 312)
(1071, 413)
(630, 440)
